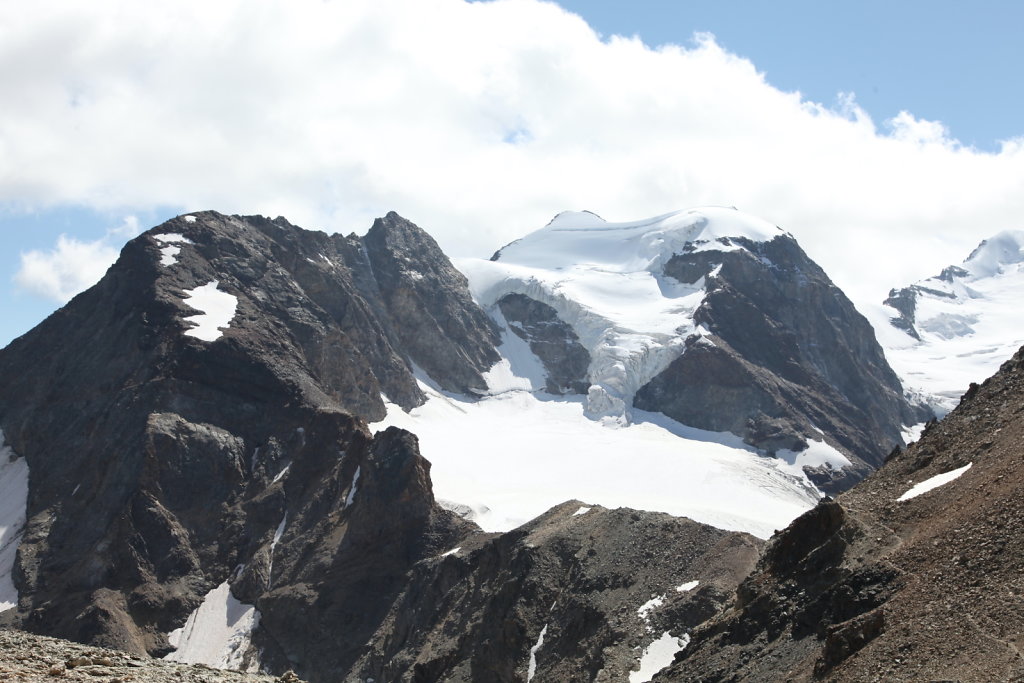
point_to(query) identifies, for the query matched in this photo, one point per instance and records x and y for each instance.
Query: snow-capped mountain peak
(958, 326)
(997, 255)
(633, 298)
(607, 281)
(574, 238)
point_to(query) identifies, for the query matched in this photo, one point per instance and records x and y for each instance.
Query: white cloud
(67, 269)
(479, 121)
(72, 265)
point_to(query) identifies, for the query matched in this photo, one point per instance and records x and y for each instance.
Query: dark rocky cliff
(871, 587)
(788, 359)
(163, 465)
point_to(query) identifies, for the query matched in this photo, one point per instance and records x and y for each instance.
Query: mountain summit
(951, 329)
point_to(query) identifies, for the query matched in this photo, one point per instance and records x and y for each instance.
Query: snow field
(217, 633)
(13, 499)
(512, 456)
(216, 310)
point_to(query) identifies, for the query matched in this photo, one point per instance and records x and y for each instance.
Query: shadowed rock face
(429, 305)
(163, 465)
(552, 340)
(788, 359)
(870, 587)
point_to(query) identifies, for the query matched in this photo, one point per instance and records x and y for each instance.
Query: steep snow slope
(605, 280)
(945, 332)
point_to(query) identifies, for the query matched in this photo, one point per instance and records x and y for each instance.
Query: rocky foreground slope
(894, 581)
(37, 659)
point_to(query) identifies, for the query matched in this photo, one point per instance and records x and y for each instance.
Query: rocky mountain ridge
(914, 574)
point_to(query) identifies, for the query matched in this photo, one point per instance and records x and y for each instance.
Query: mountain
(206, 456)
(947, 331)
(914, 574)
(187, 471)
(711, 317)
(189, 435)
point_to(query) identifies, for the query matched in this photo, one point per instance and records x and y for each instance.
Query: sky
(887, 138)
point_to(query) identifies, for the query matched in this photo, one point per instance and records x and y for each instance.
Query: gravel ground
(28, 657)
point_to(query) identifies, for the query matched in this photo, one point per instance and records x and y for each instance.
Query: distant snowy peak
(997, 255)
(969, 314)
(582, 237)
(607, 282)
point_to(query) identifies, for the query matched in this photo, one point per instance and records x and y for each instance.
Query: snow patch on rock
(353, 487)
(13, 499)
(532, 666)
(934, 482)
(218, 633)
(216, 310)
(657, 656)
(169, 252)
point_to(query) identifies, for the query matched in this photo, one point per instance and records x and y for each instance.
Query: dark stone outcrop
(428, 301)
(476, 614)
(552, 340)
(787, 359)
(869, 587)
(162, 465)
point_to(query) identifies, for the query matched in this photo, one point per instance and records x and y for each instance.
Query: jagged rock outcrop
(434, 317)
(902, 578)
(575, 595)
(168, 458)
(786, 358)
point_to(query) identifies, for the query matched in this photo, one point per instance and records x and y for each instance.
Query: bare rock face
(552, 340)
(164, 464)
(576, 594)
(433, 314)
(879, 585)
(788, 359)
